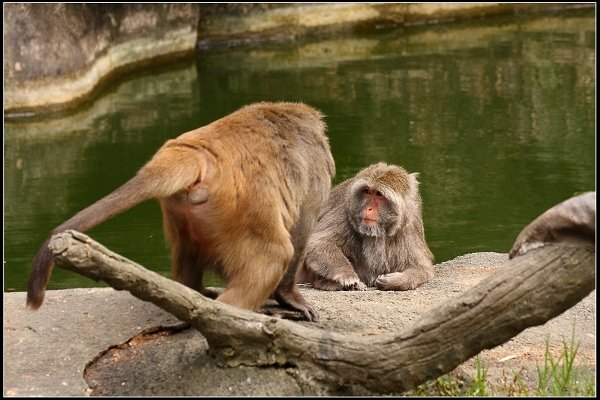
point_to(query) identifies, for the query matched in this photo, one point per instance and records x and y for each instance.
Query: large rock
(57, 53)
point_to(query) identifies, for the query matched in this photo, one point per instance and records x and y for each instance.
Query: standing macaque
(240, 195)
(370, 233)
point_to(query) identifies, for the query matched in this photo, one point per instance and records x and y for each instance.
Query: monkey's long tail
(170, 170)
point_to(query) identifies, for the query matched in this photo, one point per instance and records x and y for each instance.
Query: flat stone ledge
(236, 24)
(46, 351)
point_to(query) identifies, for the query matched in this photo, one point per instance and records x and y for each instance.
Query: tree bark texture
(527, 291)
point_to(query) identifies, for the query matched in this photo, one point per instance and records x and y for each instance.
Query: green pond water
(497, 116)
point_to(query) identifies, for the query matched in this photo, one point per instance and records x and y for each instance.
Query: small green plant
(444, 385)
(558, 377)
(514, 386)
(478, 387)
(451, 385)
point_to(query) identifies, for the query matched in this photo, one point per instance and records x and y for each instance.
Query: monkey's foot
(284, 313)
(212, 293)
(310, 312)
(294, 300)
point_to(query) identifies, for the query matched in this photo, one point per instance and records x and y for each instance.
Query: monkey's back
(271, 158)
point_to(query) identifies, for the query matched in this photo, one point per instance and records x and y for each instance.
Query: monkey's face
(373, 210)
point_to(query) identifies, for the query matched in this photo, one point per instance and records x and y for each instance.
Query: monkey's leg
(287, 293)
(188, 269)
(409, 279)
(332, 269)
(250, 284)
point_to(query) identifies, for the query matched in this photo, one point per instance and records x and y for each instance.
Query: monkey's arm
(326, 265)
(408, 279)
(329, 268)
(417, 270)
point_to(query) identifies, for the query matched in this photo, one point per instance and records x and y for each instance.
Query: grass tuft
(557, 377)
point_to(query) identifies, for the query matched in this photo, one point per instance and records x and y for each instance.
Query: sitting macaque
(370, 233)
(240, 195)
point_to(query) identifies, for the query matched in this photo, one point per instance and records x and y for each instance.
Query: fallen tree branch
(527, 291)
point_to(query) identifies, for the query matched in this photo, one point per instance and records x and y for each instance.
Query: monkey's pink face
(374, 200)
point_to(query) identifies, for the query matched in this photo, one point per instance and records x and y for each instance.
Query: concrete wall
(57, 55)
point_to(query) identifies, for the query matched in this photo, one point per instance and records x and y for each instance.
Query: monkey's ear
(414, 177)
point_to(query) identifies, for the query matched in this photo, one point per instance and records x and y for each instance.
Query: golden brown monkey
(370, 233)
(239, 195)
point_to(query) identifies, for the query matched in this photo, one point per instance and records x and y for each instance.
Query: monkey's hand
(396, 281)
(347, 283)
(351, 283)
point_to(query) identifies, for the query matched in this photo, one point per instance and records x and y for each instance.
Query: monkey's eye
(379, 194)
(366, 191)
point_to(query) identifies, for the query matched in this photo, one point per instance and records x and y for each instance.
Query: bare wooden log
(527, 291)
(571, 221)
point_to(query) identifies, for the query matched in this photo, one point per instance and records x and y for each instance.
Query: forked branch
(527, 291)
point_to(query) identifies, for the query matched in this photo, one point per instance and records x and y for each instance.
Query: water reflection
(498, 118)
